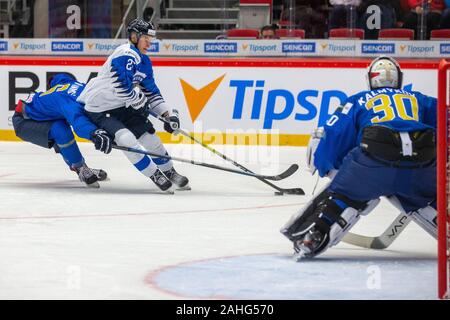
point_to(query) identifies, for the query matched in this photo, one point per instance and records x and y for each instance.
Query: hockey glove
(102, 141)
(139, 102)
(172, 122)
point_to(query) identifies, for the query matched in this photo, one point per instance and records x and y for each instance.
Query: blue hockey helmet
(60, 78)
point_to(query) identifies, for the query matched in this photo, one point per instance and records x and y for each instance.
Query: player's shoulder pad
(146, 60)
(423, 97)
(127, 50)
(345, 107)
(362, 97)
(417, 93)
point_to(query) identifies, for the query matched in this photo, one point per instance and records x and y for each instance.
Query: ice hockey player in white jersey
(120, 98)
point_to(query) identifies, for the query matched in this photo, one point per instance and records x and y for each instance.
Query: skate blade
(299, 256)
(185, 188)
(302, 254)
(94, 185)
(169, 191)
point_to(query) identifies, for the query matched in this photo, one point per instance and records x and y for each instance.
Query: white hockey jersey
(125, 72)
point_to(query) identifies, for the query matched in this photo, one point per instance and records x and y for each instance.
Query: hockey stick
(287, 173)
(280, 191)
(385, 239)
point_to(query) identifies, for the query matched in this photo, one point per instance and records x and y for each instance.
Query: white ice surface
(60, 240)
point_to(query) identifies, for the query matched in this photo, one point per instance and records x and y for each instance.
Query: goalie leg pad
(427, 219)
(351, 216)
(323, 223)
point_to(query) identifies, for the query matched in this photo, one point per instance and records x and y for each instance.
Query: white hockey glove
(316, 135)
(138, 103)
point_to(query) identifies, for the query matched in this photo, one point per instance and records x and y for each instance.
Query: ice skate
(307, 246)
(101, 174)
(181, 182)
(162, 181)
(88, 176)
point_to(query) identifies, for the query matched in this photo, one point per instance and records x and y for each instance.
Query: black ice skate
(162, 181)
(88, 176)
(101, 174)
(180, 181)
(308, 245)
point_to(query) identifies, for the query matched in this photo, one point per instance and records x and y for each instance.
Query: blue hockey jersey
(398, 109)
(59, 103)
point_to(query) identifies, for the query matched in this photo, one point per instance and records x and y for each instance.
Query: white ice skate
(181, 182)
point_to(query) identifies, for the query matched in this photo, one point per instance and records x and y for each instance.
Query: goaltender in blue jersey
(396, 109)
(380, 142)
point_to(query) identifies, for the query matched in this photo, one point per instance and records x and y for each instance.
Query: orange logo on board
(196, 99)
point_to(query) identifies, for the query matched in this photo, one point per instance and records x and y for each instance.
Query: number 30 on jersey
(387, 108)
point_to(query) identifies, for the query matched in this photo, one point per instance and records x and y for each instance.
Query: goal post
(443, 179)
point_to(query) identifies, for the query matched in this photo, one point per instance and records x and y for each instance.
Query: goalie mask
(384, 72)
(140, 27)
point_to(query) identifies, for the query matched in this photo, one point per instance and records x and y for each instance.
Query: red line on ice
(150, 278)
(149, 213)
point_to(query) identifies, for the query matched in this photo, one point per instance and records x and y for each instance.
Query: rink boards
(262, 101)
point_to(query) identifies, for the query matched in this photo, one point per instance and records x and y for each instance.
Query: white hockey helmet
(384, 72)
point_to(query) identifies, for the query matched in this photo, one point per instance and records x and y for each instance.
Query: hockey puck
(279, 193)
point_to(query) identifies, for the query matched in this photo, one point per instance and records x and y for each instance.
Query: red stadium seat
(440, 34)
(346, 33)
(286, 24)
(396, 34)
(290, 33)
(242, 34)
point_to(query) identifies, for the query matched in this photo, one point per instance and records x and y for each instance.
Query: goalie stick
(280, 191)
(385, 239)
(287, 173)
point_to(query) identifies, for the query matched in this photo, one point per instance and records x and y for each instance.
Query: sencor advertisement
(258, 99)
(234, 48)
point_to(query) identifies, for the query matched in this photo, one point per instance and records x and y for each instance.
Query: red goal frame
(443, 179)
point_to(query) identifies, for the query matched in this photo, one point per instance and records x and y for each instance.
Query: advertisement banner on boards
(235, 48)
(237, 99)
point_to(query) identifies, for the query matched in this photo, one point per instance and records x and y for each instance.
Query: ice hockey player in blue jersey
(120, 98)
(45, 119)
(380, 142)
